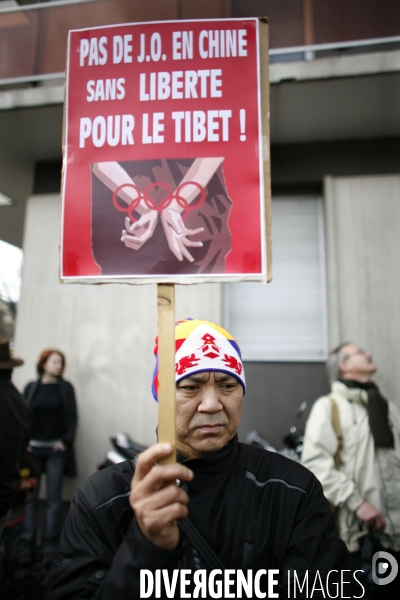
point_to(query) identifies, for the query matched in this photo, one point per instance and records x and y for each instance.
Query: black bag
(369, 544)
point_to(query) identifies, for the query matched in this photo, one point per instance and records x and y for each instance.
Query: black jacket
(69, 415)
(255, 509)
(14, 436)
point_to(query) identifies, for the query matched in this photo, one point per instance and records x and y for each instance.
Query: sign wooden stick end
(166, 367)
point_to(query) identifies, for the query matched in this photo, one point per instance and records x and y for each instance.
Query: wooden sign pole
(166, 366)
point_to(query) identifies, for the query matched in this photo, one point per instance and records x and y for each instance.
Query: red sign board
(163, 166)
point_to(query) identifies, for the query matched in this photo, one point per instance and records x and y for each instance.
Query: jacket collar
(353, 394)
(216, 461)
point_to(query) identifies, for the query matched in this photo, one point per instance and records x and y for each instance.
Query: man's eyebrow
(220, 376)
(196, 377)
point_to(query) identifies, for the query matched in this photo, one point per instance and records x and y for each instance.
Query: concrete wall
(363, 249)
(107, 333)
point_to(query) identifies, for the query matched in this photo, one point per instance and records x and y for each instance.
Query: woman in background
(54, 419)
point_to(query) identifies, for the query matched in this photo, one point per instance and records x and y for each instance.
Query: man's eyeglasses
(359, 351)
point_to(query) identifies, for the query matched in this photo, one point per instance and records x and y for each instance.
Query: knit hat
(6, 360)
(202, 346)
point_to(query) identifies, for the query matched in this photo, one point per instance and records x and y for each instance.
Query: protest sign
(166, 164)
(166, 172)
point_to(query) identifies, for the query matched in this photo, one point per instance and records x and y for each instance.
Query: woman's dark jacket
(255, 509)
(69, 414)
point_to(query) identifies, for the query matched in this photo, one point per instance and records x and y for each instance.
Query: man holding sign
(226, 520)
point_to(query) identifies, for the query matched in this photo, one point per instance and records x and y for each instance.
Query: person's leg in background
(55, 465)
(28, 538)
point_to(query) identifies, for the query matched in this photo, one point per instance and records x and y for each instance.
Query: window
(10, 272)
(285, 320)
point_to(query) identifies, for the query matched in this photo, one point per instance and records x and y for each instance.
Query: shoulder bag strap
(201, 545)
(336, 427)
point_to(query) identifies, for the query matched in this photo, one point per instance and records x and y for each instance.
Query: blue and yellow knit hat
(202, 346)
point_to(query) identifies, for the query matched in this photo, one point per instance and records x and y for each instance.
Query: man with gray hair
(352, 445)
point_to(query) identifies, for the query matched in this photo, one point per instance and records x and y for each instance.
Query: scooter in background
(292, 440)
(124, 448)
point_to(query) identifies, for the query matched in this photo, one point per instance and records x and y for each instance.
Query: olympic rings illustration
(165, 202)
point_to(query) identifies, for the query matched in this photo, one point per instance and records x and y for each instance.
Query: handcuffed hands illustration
(177, 234)
(137, 233)
(173, 208)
